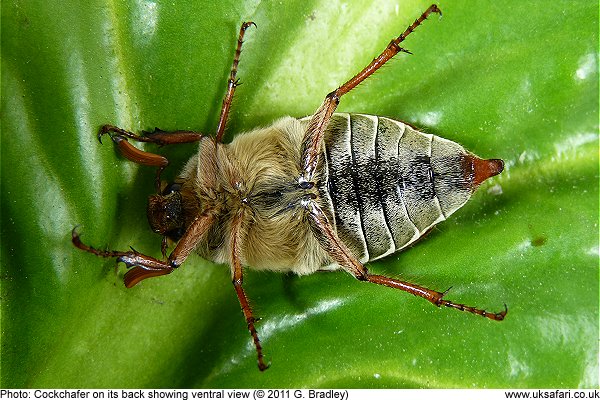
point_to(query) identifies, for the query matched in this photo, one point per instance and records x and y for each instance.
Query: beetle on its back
(326, 191)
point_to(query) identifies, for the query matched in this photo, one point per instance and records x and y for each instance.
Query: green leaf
(516, 80)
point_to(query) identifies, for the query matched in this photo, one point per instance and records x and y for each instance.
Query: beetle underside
(209, 210)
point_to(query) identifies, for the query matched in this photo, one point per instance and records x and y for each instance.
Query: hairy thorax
(256, 177)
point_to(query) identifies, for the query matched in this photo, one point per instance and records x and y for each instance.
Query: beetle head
(165, 212)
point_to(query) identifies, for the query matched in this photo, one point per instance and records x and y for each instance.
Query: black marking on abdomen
(342, 177)
(382, 183)
(364, 134)
(414, 156)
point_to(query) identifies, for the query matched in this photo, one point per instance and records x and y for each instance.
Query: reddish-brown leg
(344, 257)
(160, 137)
(313, 138)
(311, 149)
(143, 266)
(232, 83)
(238, 279)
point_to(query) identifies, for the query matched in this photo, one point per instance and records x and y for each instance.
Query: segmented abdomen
(389, 183)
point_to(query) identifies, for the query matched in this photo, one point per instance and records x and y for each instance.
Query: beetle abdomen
(389, 183)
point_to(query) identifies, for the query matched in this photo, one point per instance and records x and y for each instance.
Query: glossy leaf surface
(511, 81)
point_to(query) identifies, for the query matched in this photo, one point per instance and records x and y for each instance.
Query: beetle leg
(338, 251)
(232, 83)
(160, 137)
(313, 137)
(237, 279)
(163, 247)
(144, 266)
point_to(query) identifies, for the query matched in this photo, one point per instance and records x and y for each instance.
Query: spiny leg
(341, 254)
(232, 83)
(238, 279)
(143, 266)
(160, 137)
(313, 138)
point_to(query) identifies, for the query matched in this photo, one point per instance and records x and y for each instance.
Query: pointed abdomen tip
(484, 169)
